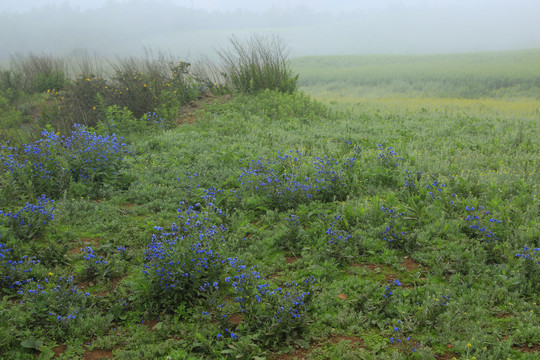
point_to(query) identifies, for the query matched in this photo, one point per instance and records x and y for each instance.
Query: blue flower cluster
(279, 310)
(435, 186)
(388, 156)
(444, 300)
(31, 220)
(90, 257)
(293, 221)
(37, 156)
(388, 290)
(46, 165)
(182, 262)
(281, 180)
(90, 155)
(186, 263)
(406, 344)
(411, 179)
(393, 232)
(289, 302)
(60, 304)
(475, 217)
(529, 254)
(153, 119)
(337, 236)
(35, 167)
(15, 273)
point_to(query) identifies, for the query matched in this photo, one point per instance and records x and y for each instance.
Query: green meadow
(388, 209)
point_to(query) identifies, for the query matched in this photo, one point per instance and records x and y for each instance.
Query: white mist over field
(310, 27)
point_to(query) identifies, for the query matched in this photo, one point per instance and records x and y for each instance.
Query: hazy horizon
(191, 28)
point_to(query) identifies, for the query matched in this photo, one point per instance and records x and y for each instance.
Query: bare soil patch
(98, 354)
(291, 259)
(528, 348)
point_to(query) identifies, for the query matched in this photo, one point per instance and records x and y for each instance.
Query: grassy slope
(485, 158)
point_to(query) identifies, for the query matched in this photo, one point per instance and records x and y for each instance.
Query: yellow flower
(469, 345)
(93, 108)
(50, 274)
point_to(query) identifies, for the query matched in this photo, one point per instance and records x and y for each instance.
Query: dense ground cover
(273, 226)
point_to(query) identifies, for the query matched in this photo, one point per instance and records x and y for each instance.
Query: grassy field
(465, 76)
(403, 226)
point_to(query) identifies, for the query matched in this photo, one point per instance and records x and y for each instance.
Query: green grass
(469, 76)
(484, 153)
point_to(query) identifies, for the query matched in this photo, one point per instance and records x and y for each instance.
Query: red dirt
(528, 348)
(84, 284)
(371, 267)
(291, 260)
(447, 356)
(98, 354)
(236, 319)
(150, 324)
(59, 350)
(186, 119)
(410, 264)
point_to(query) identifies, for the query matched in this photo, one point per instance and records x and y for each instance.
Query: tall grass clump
(257, 64)
(38, 73)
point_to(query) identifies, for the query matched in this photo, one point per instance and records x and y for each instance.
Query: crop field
(383, 219)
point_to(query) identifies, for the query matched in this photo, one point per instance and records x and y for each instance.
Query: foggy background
(190, 28)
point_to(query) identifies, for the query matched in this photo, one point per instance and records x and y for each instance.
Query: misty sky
(309, 27)
(256, 5)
